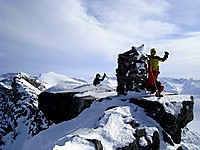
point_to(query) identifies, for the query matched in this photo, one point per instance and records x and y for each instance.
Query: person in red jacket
(152, 84)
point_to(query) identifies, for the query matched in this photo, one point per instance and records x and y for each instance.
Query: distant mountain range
(50, 79)
(172, 85)
(181, 86)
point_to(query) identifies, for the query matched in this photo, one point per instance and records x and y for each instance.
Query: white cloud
(89, 34)
(184, 55)
(62, 26)
(138, 21)
(185, 14)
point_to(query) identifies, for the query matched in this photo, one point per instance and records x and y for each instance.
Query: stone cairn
(132, 70)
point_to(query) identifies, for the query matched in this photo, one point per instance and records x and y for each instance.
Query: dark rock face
(131, 71)
(171, 124)
(97, 143)
(59, 107)
(18, 104)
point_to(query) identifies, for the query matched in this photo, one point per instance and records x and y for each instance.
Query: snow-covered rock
(111, 121)
(69, 102)
(20, 117)
(51, 79)
(119, 124)
(59, 107)
(172, 113)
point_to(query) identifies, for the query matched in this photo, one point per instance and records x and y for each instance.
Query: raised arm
(165, 56)
(104, 75)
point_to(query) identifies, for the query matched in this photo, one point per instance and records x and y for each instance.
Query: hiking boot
(158, 95)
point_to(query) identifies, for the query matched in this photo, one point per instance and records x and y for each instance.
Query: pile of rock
(131, 71)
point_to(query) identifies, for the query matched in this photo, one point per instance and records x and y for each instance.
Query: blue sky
(82, 37)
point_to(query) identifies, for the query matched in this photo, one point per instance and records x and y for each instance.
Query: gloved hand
(166, 53)
(104, 75)
(165, 56)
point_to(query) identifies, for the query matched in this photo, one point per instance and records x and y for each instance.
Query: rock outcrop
(151, 145)
(172, 124)
(59, 103)
(131, 71)
(150, 141)
(59, 107)
(18, 109)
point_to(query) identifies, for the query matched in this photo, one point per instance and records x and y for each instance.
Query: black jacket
(97, 80)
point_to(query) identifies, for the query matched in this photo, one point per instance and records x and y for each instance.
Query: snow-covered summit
(51, 79)
(97, 122)
(172, 85)
(111, 122)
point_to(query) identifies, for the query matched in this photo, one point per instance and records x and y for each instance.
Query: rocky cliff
(19, 114)
(171, 122)
(171, 113)
(22, 116)
(59, 107)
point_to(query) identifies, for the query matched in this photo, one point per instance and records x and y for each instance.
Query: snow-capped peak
(51, 79)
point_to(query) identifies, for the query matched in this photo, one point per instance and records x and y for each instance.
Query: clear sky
(79, 38)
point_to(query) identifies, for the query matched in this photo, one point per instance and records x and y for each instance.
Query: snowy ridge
(111, 127)
(97, 122)
(51, 79)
